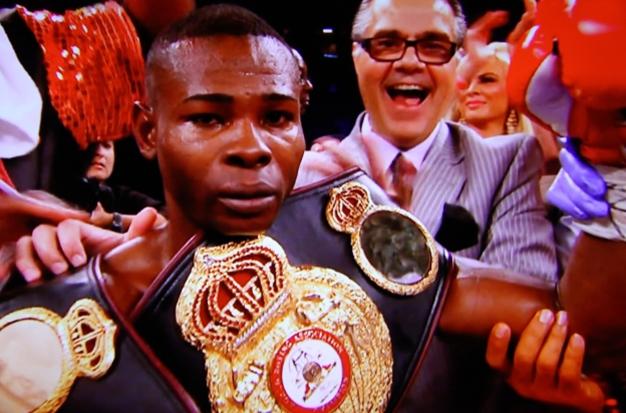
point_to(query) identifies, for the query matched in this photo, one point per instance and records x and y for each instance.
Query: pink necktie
(404, 174)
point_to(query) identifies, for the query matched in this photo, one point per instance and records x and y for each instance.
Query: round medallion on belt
(310, 372)
(391, 246)
(42, 354)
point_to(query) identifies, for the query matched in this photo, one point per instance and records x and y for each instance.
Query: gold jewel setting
(282, 338)
(348, 210)
(87, 346)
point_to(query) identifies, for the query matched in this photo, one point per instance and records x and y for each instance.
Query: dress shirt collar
(388, 151)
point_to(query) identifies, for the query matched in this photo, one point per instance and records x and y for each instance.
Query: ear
(355, 50)
(144, 129)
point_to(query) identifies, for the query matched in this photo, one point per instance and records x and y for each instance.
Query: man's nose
(410, 59)
(249, 149)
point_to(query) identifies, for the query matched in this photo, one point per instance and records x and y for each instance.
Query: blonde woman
(483, 103)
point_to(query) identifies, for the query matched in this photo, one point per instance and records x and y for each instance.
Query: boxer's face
(225, 124)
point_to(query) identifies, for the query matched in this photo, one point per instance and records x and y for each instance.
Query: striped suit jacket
(496, 180)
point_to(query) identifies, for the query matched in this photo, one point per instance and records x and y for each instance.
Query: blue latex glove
(578, 190)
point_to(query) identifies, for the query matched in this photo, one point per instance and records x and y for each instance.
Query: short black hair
(215, 20)
(209, 21)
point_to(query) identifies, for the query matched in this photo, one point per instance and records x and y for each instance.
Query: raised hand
(475, 44)
(479, 33)
(479, 36)
(546, 366)
(525, 23)
(578, 189)
(58, 248)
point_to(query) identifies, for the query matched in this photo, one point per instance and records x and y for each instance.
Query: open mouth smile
(407, 94)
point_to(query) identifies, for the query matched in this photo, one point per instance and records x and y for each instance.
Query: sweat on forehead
(209, 22)
(240, 56)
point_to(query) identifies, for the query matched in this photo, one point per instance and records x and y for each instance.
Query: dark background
(335, 99)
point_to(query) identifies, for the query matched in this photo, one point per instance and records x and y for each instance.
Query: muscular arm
(591, 291)
(479, 298)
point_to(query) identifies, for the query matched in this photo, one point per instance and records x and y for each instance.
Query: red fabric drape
(4, 175)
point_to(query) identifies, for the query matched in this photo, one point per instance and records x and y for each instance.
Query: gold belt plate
(279, 338)
(42, 354)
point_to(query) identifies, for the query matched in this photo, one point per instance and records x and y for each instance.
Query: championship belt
(305, 318)
(64, 348)
(282, 338)
(392, 247)
(42, 354)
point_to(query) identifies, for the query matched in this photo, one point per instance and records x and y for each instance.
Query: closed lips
(248, 201)
(474, 103)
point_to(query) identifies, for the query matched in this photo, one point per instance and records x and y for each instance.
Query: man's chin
(406, 134)
(237, 227)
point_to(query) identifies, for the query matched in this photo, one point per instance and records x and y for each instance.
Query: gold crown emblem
(278, 337)
(81, 344)
(404, 263)
(347, 207)
(232, 293)
(92, 333)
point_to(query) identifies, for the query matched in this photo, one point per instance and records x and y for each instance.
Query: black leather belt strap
(303, 232)
(135, 379)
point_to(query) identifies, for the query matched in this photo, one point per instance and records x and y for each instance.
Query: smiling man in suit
(405, 57)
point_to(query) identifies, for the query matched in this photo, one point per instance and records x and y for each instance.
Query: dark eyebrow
(278, 97)
(388, 33)
(210, 97)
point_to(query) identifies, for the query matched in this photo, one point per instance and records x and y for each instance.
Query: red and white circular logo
(310, 372)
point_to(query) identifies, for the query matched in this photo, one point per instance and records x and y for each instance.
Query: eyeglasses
(390, 49)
